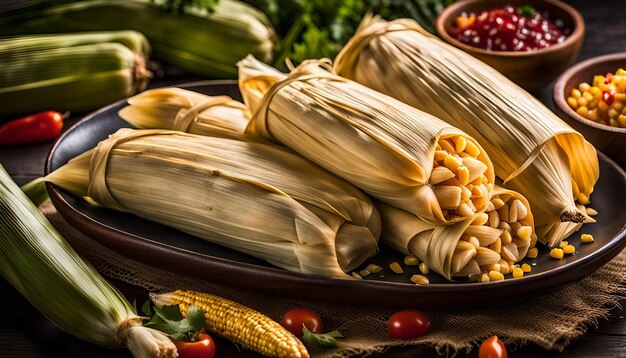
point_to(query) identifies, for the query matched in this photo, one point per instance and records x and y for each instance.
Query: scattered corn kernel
(518, 272)
(532, 253)
(420, 280)
(364, 273)
(484, 278)
(526, 268)
(373, 268)
(592, 211)
(556, 253)
(563, 244)
(424, 268)
(496, 276)
(586, 238)
(411, 260)
(395, 267)
(569, 249)
(356, 275)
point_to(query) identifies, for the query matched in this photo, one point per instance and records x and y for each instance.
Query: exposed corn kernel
(364, 273)
(532, 253)
(373, 268)
(586, 238)
(356, 275)
(569, 249)
(495, 276)
(484, 278)
(526, 268)
(424, 268)
(411, 260)
(420, 280)
(556, 253)
(395, 267)
(591, 211)
(518, 272)
(504, 267)
(563, 244)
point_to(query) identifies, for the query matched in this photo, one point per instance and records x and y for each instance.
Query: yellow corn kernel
(613, 114)
(420, 280)
(239, 324)
(440, 155)
(586, 238)
(582, 102)
(424, 268)
(525, 232)
(526, 268)
(584, 87)
(556, 253)
(602, 106)
(484, 278)
(563, 244)
(622, 120)
(463, 174)
(373, 268)
(582, 111)
(572, 103)
(445, 145)
(532, 253)
(411, 260)
(576, 93)
(588, 96)
(472, 149)
(583, 199)
(504, 267)
(452, 163)
(395, 267)
(356, 275)
(569, 249)
(495, 276)
(459, 143)
(591, 211)
(364, 273)
(613, 122)
(518, 272)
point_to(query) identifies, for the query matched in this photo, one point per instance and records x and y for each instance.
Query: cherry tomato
(297, 317)
(39, 127)
(492, 347)
(408, 324)
(204, 347)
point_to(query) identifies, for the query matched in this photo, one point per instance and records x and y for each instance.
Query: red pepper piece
(35, 128)
(608, 96)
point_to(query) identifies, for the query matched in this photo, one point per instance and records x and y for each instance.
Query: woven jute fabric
(551, 321)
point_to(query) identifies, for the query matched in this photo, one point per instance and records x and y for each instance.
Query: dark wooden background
(24, 332)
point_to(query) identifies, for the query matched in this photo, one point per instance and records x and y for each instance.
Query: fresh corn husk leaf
(197, 41)
(533, 150)
(43, 267)
(70, 72)
(185, 111)
(232, 190)
(379, 144)
(452, 250)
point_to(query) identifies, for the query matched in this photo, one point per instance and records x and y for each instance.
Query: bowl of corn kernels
(591, 97)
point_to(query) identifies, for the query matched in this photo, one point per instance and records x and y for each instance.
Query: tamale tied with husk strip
(490, 241)
(186, 111)
(400, 155)
(533, 151)
(256, 198)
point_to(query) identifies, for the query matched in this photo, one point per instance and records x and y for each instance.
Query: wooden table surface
(24, 332)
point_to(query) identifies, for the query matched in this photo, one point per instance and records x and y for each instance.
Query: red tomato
(297, 317)
(408, 324)
(492, 347)
(204, 347)
(39, 127)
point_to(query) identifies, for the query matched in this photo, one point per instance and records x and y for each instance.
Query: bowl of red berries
(529, 41)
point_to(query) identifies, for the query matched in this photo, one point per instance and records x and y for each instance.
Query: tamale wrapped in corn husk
(491, 240)
(532, 150)
(186, 111)
(383, 146)
(260, 199)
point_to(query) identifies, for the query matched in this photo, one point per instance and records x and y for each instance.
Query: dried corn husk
(533, 151)
(377, 143)
(186, 111)
(467, 247)
(256, 198)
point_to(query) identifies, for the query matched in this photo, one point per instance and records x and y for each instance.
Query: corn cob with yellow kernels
(238, 323)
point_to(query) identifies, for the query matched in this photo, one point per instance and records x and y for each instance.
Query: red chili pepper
(38, 127)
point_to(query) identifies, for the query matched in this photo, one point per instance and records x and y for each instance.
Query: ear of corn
(377, 143)
(40, 264)
(469, 247)
(533, 151)
(238, 323)
(256, 198)
(75, 72)
(197, 41)
(186, 111)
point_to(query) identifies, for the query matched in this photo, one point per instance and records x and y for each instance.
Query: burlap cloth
(551, 321)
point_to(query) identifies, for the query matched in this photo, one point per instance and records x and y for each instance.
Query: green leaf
(527, 10)
(174, 331)
(195, 317)
(145, 309)
(323, 341)
(169, 313)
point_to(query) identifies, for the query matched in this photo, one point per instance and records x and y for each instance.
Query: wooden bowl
(607, 139)
(531, 70)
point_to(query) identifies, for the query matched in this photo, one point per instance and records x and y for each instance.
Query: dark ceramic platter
(170, 249)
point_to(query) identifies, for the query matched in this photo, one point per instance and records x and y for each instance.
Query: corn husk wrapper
(377, 143)
(256, 198)
(186, 111)
(444, 248)
(533, 150)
